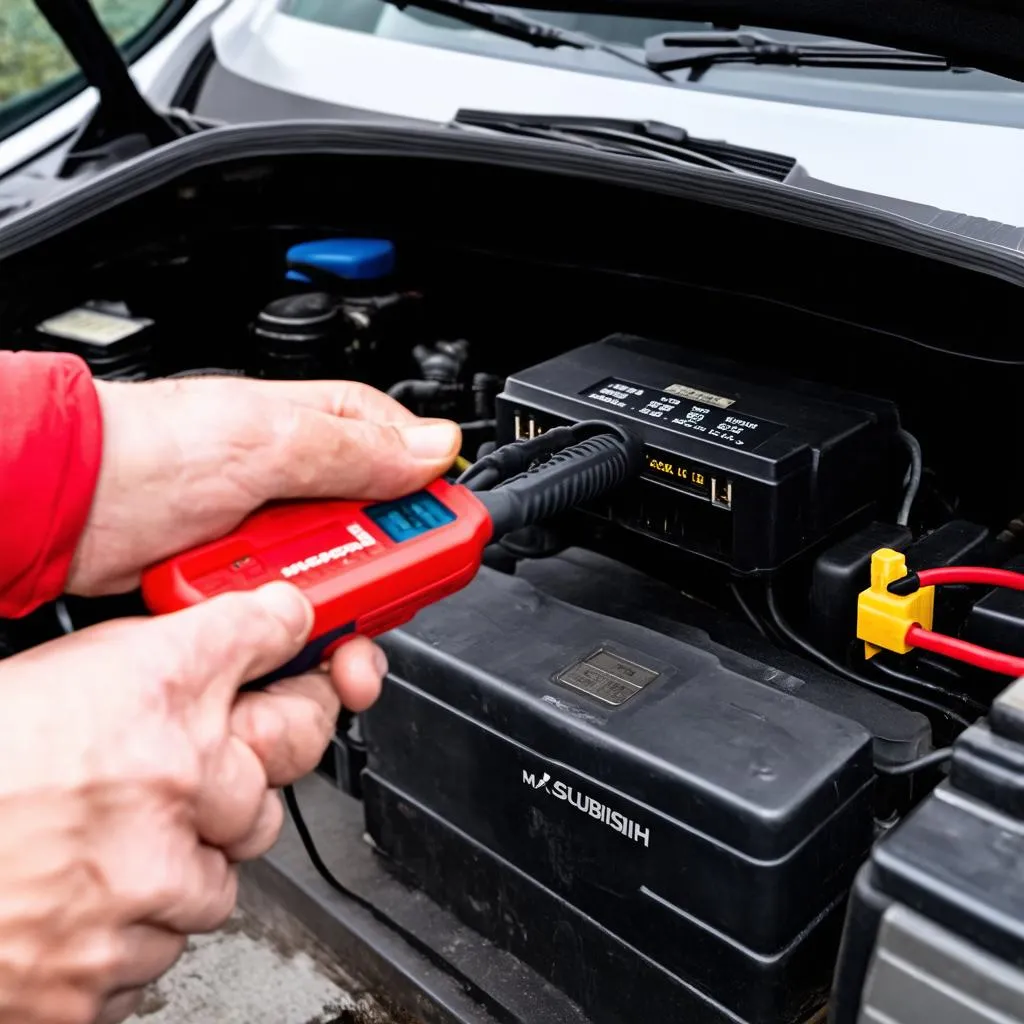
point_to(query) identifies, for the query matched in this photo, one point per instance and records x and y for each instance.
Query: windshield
(960, 96)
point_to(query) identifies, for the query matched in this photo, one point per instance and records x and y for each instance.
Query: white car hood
(961, 167)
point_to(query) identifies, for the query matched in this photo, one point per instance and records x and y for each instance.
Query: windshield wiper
(523, 28)
(651, 140)
(698, 51)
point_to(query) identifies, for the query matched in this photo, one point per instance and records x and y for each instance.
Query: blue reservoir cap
(349, 259)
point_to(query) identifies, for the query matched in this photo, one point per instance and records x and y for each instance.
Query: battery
(748, 474)
(647, 822)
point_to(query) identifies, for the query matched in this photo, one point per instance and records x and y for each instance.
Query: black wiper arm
(648, 139)
(521, 27)
(504, 23)
(699, 51)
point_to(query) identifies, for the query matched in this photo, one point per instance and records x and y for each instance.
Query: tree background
(31, 55)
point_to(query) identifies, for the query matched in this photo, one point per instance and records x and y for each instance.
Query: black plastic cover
(957, 542)
(957, 860)
(531, 762)
(748, 473)
(840, 574)
(996, 620)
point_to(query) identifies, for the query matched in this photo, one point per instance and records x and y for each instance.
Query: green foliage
(31, 55)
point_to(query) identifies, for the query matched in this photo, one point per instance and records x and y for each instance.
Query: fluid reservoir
(352, 267)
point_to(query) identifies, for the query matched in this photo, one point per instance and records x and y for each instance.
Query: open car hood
(981, 34)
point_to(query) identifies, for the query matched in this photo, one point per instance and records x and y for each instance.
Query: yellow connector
(883, 618)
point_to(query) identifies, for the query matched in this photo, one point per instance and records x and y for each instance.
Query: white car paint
(966, 168)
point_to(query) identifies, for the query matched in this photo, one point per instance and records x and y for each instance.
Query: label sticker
(696, 395)
(598, 810)
(684, 415)
(92, 327)
(607, 676)
(677, 473)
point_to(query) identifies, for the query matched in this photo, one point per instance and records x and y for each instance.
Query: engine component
(840, 574)
(356, 263)
(610, 588)
(436, 391)
(884, 617)
(997, 618)
(115, 344)
(748, 474)
(665, 836)
(956, 542)
(298, 337)
(934, 928)
(896, 612)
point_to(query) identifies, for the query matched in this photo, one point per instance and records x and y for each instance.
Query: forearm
(51, 440)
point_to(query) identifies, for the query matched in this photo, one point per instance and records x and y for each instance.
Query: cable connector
(569, 478)
(883, 617)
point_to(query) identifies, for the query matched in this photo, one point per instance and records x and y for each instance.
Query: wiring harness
(895, 613)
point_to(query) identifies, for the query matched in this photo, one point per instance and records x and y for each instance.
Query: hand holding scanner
(367, 567)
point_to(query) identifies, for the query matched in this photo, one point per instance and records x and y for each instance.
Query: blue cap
(348, 259)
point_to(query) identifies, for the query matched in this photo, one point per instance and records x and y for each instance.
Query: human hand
(184, 461)
(132, 776)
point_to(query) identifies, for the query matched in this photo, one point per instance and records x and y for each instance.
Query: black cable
(913, 447)
(915, 682)
(513, 458)
(437, 959)
(748, 612)
(797, 641)
(935, 758)
(571, 477)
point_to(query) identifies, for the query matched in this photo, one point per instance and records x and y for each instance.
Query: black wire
(936, 757)
(913, 447)
(748, 612)
(801, 644)
(915, 682)
(436, 958)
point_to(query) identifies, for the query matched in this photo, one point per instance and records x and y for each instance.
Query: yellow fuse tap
(883, 618)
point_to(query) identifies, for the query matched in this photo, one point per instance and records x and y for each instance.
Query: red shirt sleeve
(51, 441)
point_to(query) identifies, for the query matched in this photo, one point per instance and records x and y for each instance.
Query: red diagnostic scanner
(366, 567)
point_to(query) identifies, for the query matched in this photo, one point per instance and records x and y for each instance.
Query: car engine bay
(644, 750)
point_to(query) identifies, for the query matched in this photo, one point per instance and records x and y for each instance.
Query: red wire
(960, 650)
(971, 574)
(972, 654)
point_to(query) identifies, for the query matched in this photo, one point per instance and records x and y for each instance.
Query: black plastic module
(997, 619)
(936, 923)
(748, 474)
(661, 835)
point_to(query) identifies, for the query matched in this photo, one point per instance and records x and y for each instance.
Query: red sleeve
(51, 440)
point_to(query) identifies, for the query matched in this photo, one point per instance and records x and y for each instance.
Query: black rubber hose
(415, 390)
(572, 477)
